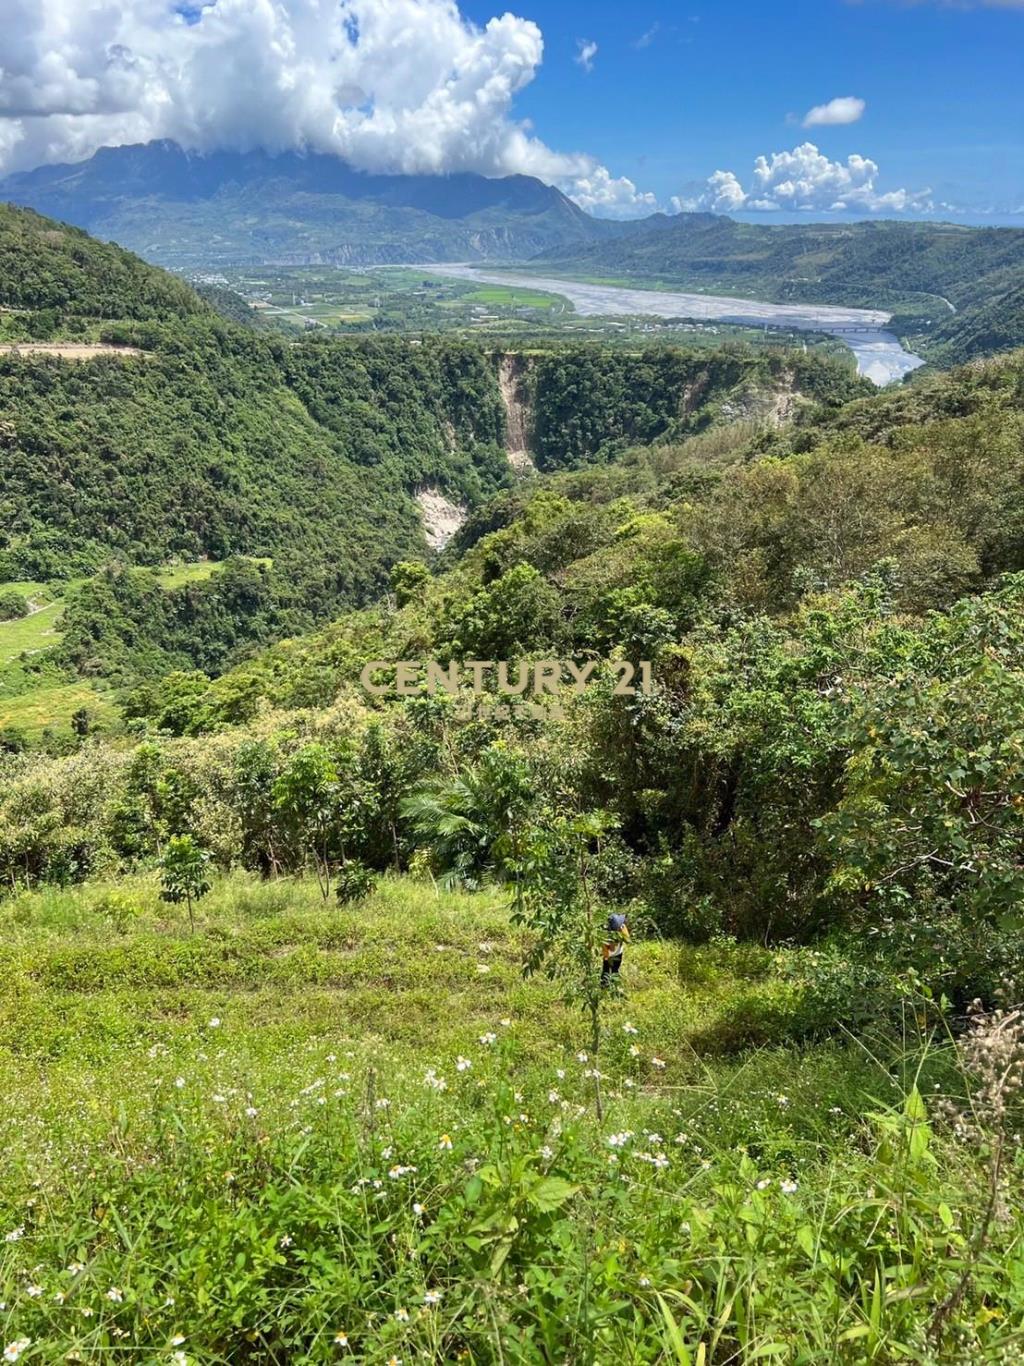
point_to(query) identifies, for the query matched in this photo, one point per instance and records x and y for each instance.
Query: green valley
(674, 1025)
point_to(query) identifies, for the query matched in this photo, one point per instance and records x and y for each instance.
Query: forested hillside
(589, 402)
(45, 265)
(871, 264)
(832, 745)
(202, 440)
(990, 320)
(351, 944)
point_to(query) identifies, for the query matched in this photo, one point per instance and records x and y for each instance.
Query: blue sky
(626, 107)
(713, 86)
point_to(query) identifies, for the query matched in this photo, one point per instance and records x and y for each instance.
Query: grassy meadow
(31, 702)
(32, 633)
(309, 1134)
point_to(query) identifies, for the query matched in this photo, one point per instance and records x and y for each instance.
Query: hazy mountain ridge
(182, 209)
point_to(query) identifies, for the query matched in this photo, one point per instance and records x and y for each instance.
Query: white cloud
(390, 85)
(585, 54)
(805, 179)
(844, 109)
(647, 38)
(599, 193)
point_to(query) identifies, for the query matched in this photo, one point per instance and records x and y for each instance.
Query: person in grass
(614, 945)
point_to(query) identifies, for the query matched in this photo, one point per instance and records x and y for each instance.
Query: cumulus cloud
(612, 197)
(805, 179)
(843, 109)
(585, 53)
(390, 85)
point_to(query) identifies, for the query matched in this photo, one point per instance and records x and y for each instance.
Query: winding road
(879, 354)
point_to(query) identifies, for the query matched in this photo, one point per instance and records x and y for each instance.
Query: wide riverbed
(879, 354)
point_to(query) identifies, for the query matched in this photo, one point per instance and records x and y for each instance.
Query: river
(879, 354)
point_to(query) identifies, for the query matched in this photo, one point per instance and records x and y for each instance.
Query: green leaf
(675, 1337)
(552, 1192)
(805, 1239)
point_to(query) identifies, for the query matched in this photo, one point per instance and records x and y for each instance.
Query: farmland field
(514, 298)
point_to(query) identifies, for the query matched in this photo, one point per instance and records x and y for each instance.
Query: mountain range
(186, 210)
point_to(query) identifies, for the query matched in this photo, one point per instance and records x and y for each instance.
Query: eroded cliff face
(513, 381)
(441, 517)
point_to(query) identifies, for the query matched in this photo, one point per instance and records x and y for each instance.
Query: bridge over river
(879, 354)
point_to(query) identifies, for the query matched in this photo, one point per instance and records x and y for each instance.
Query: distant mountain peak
(180, 208)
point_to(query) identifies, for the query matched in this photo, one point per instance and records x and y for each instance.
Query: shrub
(354, 882)
(12, 605)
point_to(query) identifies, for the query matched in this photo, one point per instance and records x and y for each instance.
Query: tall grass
(307, 1135)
